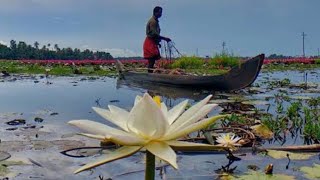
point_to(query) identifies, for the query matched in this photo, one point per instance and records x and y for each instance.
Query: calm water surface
(72, 98)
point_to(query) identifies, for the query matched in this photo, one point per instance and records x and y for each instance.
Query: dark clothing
(151, 62)
(153, 29)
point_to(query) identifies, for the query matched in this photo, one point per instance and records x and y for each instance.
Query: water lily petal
(119, 115)
(194, 118)
(127, 140)
(112, 116)
(138, 98)
(117, 136)
(146, 119)
(191, 128)
(163, 151)
(190, 112)
(176, 111)
(117, 154)
(99, 137)
(189, 146)
(164, 109)
(96, 128)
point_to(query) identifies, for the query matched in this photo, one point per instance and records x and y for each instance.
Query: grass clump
(185, 62)
(224, 60)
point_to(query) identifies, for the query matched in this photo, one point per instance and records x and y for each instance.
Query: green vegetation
(219, 64)
(224, 60)
(62, 70)
(289, 67)
(185, 62)
(21, 50)
(317, 61)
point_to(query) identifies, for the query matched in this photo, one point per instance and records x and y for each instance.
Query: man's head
(157, 11)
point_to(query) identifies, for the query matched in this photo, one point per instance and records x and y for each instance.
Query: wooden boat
(168, 92)
(236, 78)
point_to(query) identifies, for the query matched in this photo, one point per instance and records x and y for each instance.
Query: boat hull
(236, 78)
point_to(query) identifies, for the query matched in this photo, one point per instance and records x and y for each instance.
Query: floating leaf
(284, 154)
(300, 97)
(256, 102)
(256, 89)
(262, 130)
(221, 101)
(237, 98)
(311, 172)
(254, 175)
(4, 155)
(4, 171)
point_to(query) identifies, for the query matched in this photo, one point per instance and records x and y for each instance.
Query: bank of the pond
(17, 67)
(109, 69)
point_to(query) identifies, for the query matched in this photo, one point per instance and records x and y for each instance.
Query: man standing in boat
(152, 42)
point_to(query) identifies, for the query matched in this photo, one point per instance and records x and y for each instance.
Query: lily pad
(284, 154)
(255, 175)
(256, 89)
(4, 170)
(220, 101)
(4, 155)
(311, 172)
(300, 97)
(262, 131)
(256, 102)
(237, 98)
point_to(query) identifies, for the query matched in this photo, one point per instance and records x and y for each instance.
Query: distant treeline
(280, 56)
(21, 50)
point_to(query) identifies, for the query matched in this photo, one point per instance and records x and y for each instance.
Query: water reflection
(170, 92)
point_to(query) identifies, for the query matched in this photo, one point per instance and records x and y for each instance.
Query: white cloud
(117, 52)
(4, 43)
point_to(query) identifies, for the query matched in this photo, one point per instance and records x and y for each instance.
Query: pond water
(57, 100)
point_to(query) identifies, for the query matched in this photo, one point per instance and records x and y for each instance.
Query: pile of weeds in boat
(224, 60)
(219, 64)
(186, 62)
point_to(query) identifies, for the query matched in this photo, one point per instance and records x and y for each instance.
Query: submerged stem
(150, 166)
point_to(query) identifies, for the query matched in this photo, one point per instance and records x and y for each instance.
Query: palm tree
(36, 45)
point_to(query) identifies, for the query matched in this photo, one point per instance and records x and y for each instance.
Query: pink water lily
(148, 126)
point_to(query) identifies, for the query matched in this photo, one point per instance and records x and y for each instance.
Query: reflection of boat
(171, 92)
(236, 78)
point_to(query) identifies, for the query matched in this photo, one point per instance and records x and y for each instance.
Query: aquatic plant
(228, 140)
(186, 62)
(224, 60)
(293, 114)
(149, 125)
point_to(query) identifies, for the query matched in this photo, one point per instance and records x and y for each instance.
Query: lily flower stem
(150, 166)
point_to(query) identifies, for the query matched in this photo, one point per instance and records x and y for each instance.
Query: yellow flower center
(157, 99)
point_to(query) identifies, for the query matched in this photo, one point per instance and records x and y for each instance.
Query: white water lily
(150, 127)
(228, 140)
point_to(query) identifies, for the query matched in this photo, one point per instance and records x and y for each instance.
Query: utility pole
(318, 52)
(223, 45)
(303, 36)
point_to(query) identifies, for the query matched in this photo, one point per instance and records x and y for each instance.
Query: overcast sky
(248, 27)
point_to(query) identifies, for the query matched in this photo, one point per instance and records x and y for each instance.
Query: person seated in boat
(153, 38)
